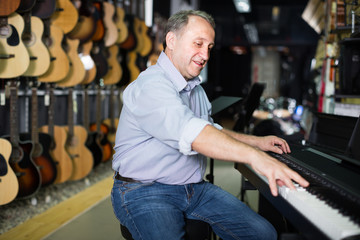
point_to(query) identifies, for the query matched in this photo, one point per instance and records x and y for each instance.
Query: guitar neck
(71, 113)
(34, 115)
(50, 89)
(14, 134)
(98, 109)
(86, 109)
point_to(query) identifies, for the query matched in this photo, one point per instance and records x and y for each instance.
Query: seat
(195, 230)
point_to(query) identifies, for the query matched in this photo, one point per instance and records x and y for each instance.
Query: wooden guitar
(64, 166)
(88, 62)
(21, 162)
(111, 122)
(38, 52)
(75, 145)
(111, 32)
(14, 57)
(93, 139)
(101, 129)
(41, 143)
(85, 27)
(143, 31)
(76, 72)
(44, 8)
(59, 64)
(65, 16)
(9, 186)
(130, 42)
(114, 72)
(8, 7)
(119, 17)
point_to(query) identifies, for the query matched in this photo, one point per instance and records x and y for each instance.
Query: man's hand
(273, 144)
(277, 173)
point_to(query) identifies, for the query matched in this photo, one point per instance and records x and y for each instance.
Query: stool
(195, 230)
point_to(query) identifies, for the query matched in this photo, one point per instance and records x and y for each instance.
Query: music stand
(217, 106)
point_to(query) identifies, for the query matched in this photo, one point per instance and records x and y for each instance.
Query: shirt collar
(175, 76)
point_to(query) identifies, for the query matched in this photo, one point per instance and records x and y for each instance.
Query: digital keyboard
(329, 208)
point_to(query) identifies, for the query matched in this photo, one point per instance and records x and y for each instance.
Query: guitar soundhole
(3, 166)
(14, 39)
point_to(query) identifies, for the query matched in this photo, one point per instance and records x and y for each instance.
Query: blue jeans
(157, 211)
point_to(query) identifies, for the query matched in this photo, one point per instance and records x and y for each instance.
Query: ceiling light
(242, 6)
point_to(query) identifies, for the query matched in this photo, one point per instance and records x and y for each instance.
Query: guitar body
(59, 65)
(114, 72)
(89, 64)
(121, 26)
(101, 63)
(9, 186)
(100, 27)
(39, 54)
(28, 174)
(14, 57)
(43, 160)
(132, 66)
(25, 5)
(105, 144)
(67, 17)
(93, 144)
(111, 135)
(81, 156)
(8, 7)
(130, 42)
(44, 8)
(86, 26)
(111, 33)
(76, 72)
(147, 43)
(64, 165)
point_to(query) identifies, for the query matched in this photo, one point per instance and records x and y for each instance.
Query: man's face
(189, 50)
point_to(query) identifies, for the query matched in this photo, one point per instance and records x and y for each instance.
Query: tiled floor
(99, 222)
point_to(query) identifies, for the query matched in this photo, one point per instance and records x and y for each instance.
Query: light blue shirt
(162, 115)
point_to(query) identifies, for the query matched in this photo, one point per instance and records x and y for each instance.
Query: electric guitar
(14, 57)
(64, 165)
(21, 161)
(41, 143)
(9, 186)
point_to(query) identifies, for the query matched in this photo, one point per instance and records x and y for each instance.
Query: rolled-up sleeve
(190, 132)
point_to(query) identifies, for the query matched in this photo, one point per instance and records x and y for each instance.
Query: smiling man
(164, 136)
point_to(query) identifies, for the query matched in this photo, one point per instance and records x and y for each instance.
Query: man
(164, 133)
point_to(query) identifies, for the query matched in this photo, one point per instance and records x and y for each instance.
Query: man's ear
(170, 40)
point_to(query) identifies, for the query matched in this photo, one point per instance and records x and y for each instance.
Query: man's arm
(223, 145)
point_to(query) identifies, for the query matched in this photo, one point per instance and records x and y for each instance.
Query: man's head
(189, 37)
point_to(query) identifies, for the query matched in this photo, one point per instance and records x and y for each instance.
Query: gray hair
(180, 19)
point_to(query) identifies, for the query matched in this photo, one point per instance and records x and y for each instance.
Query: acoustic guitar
(76, 72)
(111, 32)
(114, 72)
(143, 31)
(9, 185)
(129, 43)
(85, 27)
(59, 64)
(112, 121)
(43, 9)
(41, 143)
(101, 129)
(64, 166)
(65, 16)
(14, 57)
(88, 62)
(75, 145)
(119, 17)
(28, 174)
(93, 139)
(38, 52)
